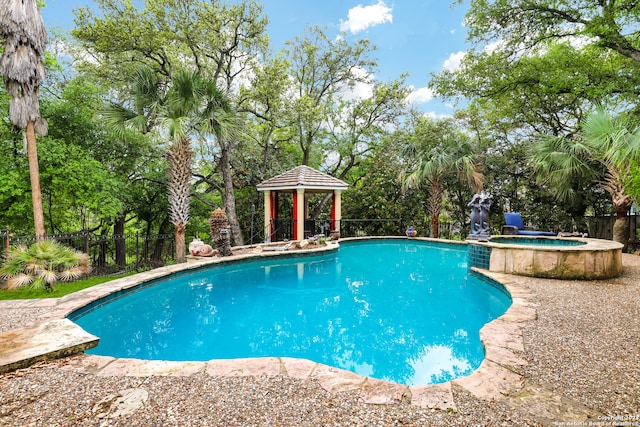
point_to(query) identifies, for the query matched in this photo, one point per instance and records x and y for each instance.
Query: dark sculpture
(480, 205)
(219, 226)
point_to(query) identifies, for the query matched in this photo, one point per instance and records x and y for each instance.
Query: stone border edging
(493, 380)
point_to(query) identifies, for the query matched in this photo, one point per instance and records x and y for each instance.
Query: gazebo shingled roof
(302, 177)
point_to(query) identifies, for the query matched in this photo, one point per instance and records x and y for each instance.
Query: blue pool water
(396, 310)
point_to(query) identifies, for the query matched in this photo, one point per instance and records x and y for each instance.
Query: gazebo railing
(349, 227)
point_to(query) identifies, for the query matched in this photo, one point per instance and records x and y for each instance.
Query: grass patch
(61, 289)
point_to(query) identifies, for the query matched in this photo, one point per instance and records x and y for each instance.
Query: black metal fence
(109, 253)
(353, 227)
(118, 253)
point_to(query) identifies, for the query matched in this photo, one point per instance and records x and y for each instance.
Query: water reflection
(436, 364)
(398, 311)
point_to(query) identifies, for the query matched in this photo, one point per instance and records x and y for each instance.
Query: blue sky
(418, 37)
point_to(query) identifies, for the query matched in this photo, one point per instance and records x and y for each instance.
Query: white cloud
(363, 89)
(363, 17)
(494, 47)
(453, 62)
(435, 115)
(420, 96)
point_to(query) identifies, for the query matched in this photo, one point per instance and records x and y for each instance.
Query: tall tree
(230, 38)
(356, 125)
(22, 69)
(217, 117)
(604, 151)
(555, 59)
(522, 24)
(184, 108)
(437, 150)
(263, 101)
(322, 69)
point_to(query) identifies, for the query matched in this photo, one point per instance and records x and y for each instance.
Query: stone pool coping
(55, 336)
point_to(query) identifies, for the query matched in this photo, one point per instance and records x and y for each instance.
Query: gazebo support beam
(299, 215)
(336, 210)
(267, 216)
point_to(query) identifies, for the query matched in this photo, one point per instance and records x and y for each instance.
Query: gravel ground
(46, 396)
(583, 349)
(585, 343)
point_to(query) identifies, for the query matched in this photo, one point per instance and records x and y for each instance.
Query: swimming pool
(397, 310)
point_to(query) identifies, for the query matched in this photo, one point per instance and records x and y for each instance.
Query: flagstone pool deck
(599, 320)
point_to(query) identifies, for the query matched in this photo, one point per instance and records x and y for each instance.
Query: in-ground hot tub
(549, 257)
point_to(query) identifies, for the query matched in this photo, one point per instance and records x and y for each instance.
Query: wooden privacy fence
(601, 227)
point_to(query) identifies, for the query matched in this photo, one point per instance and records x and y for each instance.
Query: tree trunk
(158, 247)
(621, 228)
(435, 204)
(34, 174)
(306, 149)
(121, 246)
(230, 198)
(181, 247)
(315, 214)
(621, 204)
(435, 225)
(179, 186)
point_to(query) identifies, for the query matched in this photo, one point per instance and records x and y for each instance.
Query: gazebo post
(336, 210)
(275, 214)
(294, 216)
(299, 214)
(268, 228)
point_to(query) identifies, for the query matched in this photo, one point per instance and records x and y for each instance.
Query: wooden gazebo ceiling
(305, 177)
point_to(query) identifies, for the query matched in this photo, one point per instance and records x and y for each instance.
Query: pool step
(20, 348)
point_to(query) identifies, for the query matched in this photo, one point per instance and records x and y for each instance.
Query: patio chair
(515, 226)
(277, 248)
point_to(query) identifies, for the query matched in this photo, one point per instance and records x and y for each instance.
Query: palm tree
(22, 69)
(168, 108)
(185, 107)
(42, 265)
(604, 151)
(438, 153)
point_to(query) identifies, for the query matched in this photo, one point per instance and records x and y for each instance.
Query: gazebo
(299, 182)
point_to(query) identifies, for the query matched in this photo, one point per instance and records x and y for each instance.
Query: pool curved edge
(494, 379)
(594, 260)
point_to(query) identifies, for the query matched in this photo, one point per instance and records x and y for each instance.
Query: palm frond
(611, 138)
(49, 277)
(19, 281)
(145, 89)
(557, 161)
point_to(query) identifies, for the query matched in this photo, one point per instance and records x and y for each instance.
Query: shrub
(43, 264)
